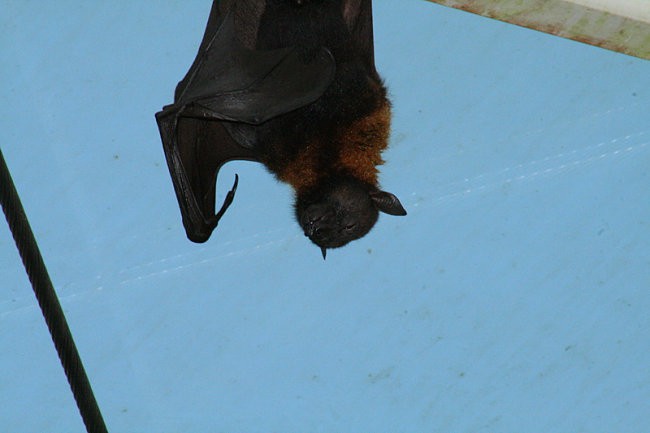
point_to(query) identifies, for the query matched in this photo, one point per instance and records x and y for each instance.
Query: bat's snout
(315, 219)
(312, 228)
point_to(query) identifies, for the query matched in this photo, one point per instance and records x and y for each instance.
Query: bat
(291, 84)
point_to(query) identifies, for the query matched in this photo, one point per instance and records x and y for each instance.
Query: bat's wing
(227, 89)
(358, 17)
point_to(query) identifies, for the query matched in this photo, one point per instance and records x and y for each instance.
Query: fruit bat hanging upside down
(291, 84)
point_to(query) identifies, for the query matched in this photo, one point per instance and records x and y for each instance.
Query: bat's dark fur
(329, 149)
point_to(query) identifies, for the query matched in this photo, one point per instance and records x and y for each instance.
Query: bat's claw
(228, 200)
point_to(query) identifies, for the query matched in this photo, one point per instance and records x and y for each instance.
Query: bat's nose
(311, 229)
(311, 224)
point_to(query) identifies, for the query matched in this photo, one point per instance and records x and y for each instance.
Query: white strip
(638, 10)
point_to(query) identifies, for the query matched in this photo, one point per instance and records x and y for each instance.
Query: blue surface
(514, 297)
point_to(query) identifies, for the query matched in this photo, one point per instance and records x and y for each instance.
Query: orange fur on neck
(363, 143)
(360, 146)
(302, 173)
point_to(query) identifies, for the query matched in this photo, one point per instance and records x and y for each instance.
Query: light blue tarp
(514, 297)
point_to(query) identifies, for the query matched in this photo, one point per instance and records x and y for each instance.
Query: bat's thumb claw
(231, 194)
(234, 185)
(228, 200)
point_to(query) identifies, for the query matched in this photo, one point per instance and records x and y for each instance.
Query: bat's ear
(387, 203)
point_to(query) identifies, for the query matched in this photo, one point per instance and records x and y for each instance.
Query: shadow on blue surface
(514, 296)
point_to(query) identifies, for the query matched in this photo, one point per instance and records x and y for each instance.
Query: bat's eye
(349, 227)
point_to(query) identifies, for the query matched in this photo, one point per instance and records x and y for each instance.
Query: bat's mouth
(325, 237)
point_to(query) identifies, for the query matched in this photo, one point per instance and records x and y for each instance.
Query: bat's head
(343, 210)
